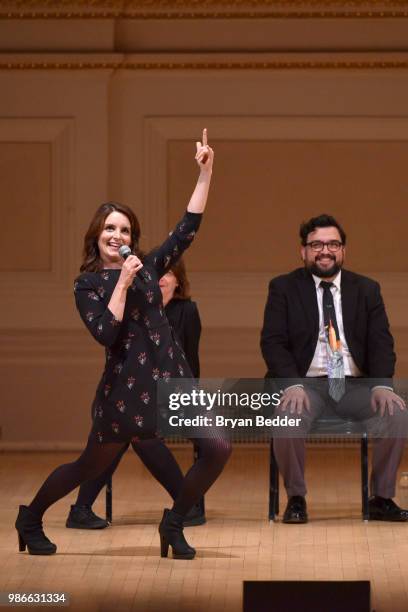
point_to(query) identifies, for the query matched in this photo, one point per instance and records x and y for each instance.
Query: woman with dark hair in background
(182, 314)
(123, 310)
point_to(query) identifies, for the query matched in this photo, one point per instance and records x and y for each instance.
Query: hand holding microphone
(132, 266)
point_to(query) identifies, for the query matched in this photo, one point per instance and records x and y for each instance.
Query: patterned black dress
(140, 349)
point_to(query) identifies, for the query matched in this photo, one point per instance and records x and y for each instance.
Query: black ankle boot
(31, 534)
(171, 534)
(194, 517)
(83, 517)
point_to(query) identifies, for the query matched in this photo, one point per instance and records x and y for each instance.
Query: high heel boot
(31, 534)
(171, 534)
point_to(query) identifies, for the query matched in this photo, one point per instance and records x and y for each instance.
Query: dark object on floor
(306, 596)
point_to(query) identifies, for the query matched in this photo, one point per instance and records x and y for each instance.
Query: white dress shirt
(318, 367)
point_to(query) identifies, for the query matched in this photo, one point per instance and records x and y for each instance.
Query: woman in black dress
(182, 314)
(124, 312)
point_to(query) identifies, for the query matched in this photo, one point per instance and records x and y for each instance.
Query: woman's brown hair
(91, 261)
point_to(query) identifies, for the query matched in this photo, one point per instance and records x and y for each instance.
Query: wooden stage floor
(120, 569)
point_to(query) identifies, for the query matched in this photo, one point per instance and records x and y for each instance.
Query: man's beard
(329, 272)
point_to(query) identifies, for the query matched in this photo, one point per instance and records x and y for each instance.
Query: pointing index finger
(204, 137)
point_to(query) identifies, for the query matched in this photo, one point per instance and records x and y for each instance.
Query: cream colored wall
(26, 187)
(292, 139)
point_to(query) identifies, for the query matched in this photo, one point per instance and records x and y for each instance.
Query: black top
(184, 318)
(140, 349)
(291, 325)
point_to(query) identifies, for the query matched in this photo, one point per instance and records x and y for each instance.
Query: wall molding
(250, 289)
(208, 9)
(59, 134)
(246, 292)
(159, 131)
(209, 61)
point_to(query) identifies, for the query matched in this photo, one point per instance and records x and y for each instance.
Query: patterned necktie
(335, 363)
(329, 312)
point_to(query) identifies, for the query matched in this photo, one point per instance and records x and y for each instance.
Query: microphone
(124, 252)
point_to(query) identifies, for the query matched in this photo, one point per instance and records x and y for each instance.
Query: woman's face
(115, 233)
(168, 284)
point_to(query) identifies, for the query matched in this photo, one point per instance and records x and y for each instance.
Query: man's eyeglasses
(318, 245)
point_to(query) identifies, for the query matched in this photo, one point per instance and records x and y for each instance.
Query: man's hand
(384, 399)
(296, 399)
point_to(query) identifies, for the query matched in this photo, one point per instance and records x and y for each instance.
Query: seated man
(322, 321)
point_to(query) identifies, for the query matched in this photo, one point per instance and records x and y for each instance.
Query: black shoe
(171, 534)
(31, 534)
(295, 510)
(82, 517)
(382, 509)
(194, 517)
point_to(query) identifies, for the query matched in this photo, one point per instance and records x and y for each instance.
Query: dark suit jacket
(291, 326)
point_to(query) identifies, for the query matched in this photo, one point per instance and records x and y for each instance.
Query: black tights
(213, 454)
(155, 455)
(97, 458)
